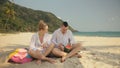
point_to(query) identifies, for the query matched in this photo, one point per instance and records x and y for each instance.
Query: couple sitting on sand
(42, 45)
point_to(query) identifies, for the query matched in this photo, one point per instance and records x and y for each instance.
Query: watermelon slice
(67, 48)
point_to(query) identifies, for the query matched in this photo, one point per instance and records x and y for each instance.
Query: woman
(41, 45)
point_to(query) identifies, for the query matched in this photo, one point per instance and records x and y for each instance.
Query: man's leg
(57, 52)
(75, 49)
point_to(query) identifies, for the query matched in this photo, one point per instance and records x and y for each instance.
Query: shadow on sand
(106, 57)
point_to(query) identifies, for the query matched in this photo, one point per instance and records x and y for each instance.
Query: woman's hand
(44, 45)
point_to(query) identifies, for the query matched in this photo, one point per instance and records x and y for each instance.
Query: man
(62, 37)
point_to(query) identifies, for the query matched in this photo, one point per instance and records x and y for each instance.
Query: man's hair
(65, 24)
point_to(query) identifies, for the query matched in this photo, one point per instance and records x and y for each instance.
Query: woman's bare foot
(38, 62)
(51, 60)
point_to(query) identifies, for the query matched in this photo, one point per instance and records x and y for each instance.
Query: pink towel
(21, 56)
(22, 53)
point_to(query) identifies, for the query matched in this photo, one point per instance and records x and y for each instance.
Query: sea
(99, 34)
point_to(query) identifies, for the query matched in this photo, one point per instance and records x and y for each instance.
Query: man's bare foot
(63, 59)
(38, 62)
(79, 56)
(51, 60)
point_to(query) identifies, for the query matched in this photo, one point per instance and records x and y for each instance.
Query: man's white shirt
(58, 37)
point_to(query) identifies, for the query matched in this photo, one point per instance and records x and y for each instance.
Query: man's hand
(61, 47)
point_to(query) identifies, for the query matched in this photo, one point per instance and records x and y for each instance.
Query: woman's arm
(32, 43)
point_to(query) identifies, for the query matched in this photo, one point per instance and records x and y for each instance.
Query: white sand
(97, 52)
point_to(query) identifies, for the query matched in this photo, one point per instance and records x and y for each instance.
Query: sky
(82, 15)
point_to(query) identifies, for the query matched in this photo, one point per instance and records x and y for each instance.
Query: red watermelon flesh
(68, 46)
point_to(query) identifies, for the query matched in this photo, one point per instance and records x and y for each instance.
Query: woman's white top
(36, 44)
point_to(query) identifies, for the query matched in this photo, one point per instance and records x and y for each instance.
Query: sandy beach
(97, 52)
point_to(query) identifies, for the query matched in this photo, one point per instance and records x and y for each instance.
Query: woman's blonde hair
(42, 25)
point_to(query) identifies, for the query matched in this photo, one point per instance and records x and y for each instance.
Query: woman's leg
(36, 54)
(48, 59)
(48, 50)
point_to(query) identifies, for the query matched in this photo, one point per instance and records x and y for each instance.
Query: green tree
(10, 14)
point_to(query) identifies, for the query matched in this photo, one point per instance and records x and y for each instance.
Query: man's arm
(72, 40)
(54, 38)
